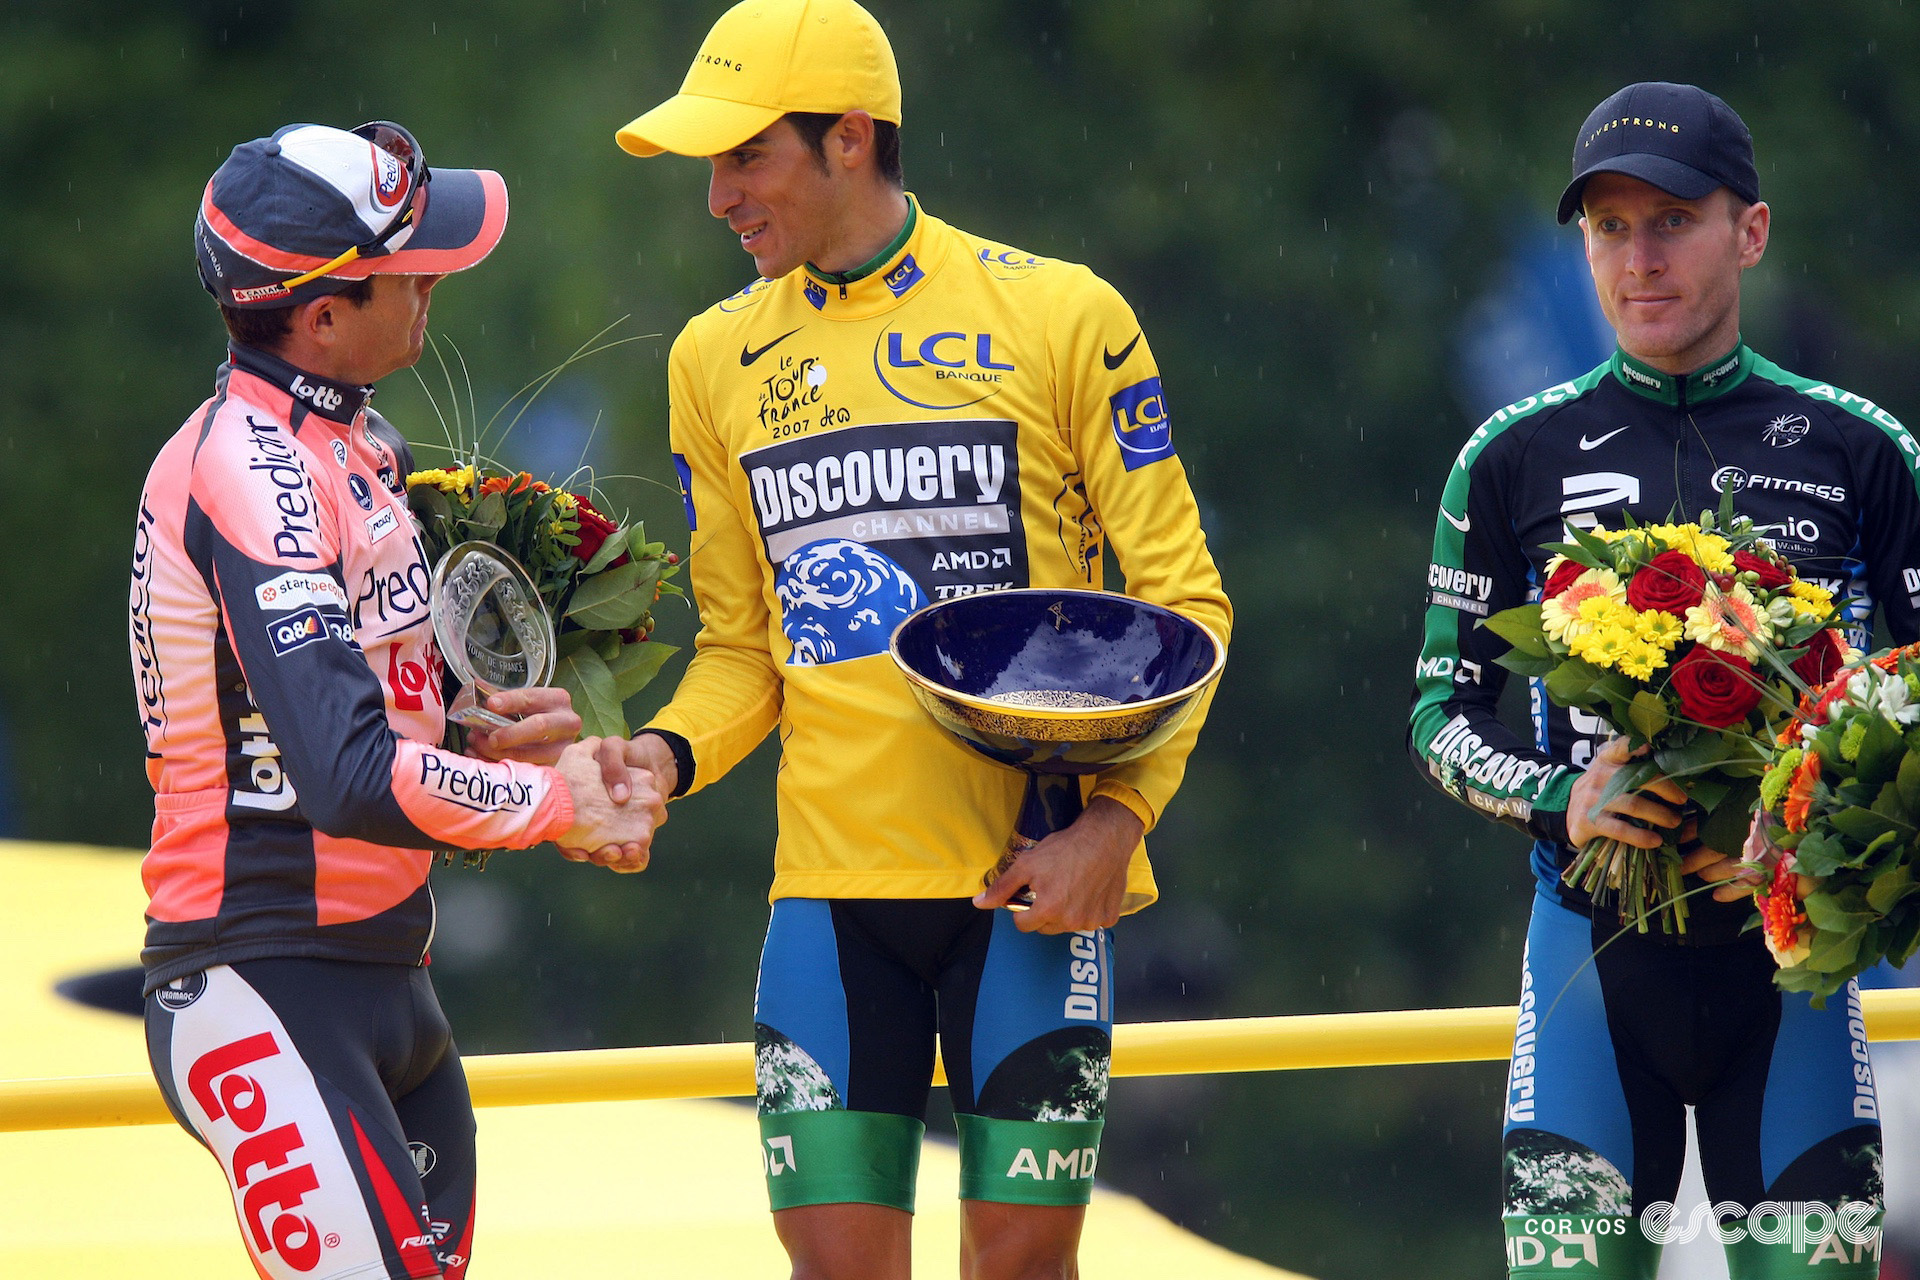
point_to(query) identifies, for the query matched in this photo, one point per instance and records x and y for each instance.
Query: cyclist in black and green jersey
(1783, 1100)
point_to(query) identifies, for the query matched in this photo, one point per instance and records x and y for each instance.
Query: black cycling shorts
(332, 1096)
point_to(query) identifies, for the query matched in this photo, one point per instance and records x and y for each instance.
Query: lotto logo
(215, 1082)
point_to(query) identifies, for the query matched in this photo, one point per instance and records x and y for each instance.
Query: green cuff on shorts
(1581, 1246)
(1774, 1245)
(1028, 1161)
(840, 1157)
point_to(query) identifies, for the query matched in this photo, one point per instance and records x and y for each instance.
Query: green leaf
(584, 675)
(1578, 554)
(1834, 952)
(1520, 627)
(637, 664)
(608, 600)
(1891, 885)
(1826, 913)
(488, 515)
(612, 549)
(1727, 825)
(1860, 824)
(1694, 756)
(1820, 853)
(1514, 660)
(1907, 781)
(1572, 681)
(1880, 751)
(1648, 712)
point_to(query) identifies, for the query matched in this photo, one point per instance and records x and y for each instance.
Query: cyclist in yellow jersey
(899, 412)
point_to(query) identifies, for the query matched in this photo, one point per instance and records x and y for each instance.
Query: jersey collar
(335, 401)
(1682, 390)
(886, 280)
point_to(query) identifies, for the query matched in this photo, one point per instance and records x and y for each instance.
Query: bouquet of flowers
(1842, 802)
(597, 577)
(1693, 640)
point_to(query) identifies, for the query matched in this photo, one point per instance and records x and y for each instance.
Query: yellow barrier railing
(1394, 1038)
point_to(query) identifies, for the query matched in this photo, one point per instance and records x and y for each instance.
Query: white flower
(1871, 690)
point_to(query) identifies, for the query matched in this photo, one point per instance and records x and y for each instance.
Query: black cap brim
(1669, 175)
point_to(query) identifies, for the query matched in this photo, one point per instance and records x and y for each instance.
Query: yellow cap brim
(690, 125)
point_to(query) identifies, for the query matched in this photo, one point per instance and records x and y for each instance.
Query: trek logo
(1075, 1164)
(473, 788)
(272, 788)
(1787, 430)
(1586, 494)
(1141, 425)
(950, 356)
(903, 277)
(1083, 973)
(324, 398)
(1739, 479)
(292, 590)
(362, 491)
(214, 1082)
(305, 627)
(274, 457)
(779, 1155)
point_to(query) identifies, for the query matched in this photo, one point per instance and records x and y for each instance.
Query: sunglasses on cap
(408, 184)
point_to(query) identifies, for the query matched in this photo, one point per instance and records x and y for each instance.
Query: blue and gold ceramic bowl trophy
(1056, 682)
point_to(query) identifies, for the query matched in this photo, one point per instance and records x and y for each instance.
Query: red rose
(593, 532)
(1772, 576)
(1824, 656)
(1670, 582)
(1715, 689)
(1562, 578)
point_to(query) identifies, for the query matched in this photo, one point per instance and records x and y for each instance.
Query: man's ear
(852, 139)
(1756, 221)
(314, 320)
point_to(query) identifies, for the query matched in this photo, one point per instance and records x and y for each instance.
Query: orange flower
(1800, 792)
(1781, 915)
(511, 484)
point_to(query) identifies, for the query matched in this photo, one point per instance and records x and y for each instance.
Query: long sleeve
(730, 697)
(1113, 411)
(1455, 734)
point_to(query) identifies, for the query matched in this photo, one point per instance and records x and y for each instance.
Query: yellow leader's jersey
(962, 417)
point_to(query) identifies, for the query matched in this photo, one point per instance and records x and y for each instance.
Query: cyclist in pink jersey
(292, 699)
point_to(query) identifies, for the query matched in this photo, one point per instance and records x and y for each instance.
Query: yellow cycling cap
(763, 59)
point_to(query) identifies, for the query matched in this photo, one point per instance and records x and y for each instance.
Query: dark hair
(813, 127)
(266, 327)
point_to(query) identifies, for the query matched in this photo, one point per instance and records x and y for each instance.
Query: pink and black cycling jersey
(291, 692)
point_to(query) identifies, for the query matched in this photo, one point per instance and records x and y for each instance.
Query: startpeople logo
(1847, 1234)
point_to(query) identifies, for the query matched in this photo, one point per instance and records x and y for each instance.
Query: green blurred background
(1335, 220)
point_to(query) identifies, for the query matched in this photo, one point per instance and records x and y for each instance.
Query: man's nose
(1644, 257)
(722, 194)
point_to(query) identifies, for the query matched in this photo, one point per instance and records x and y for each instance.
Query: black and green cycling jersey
(1829, 476)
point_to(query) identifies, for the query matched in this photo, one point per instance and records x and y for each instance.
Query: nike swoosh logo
(748, 354)
(1462, 524)
(1595, 444)
(1115, 361)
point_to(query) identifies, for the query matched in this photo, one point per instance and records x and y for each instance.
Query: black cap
(1680, 138)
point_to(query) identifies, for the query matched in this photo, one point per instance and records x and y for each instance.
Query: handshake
(618, 799)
